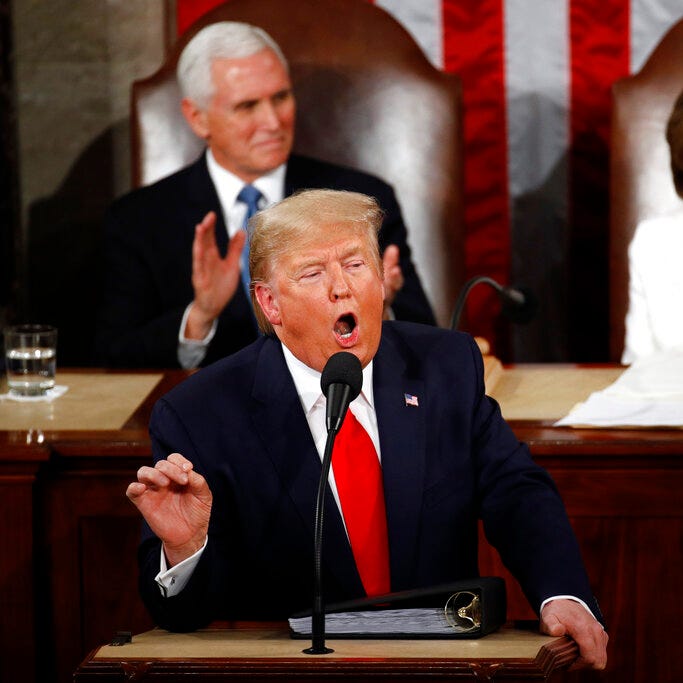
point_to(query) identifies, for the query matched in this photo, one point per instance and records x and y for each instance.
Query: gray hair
(300, 220)
(222, 40)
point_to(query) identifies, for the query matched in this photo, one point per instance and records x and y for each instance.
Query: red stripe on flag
(599, 49)
(188, 11)
(473, 48)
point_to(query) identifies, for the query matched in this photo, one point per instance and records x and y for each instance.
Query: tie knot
(250, 196)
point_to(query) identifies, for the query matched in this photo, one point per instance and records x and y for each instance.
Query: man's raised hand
(214, 278)
(176, 503)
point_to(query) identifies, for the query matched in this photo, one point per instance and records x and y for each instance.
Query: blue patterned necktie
(250, 196)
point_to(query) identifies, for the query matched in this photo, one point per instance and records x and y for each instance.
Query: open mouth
(345, 326)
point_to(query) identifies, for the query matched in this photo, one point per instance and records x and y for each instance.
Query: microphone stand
(462, 297)
(341, 381)
(318, 615)
(518, 304)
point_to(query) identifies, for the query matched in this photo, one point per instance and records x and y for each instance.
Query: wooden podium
(254, 653)
(66, 587)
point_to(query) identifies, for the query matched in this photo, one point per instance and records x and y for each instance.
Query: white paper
(601, 410)
(648, 394)
(422, 620)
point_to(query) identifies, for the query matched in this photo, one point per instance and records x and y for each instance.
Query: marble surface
(94, 401)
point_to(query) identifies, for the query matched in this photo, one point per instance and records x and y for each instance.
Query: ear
(268, 303)
(195, 117)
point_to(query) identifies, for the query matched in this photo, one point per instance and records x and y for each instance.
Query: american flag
(536, 80)
(411, 400)
(536, 84)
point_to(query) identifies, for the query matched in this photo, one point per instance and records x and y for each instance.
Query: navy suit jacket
(148, 257)
(446, 463)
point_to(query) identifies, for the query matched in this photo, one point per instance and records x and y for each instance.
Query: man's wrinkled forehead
(320, 252)
(309, 243)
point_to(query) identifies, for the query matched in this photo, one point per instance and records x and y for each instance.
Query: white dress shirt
(191, 352)
(654, 321)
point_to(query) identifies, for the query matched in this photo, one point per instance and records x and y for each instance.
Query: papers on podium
(648, 394)
(463, 609)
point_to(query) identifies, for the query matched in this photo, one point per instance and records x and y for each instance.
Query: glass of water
(30, 355)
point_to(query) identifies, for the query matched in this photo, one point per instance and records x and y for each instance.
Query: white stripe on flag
(650, 20)
(537, 80)
(537, 99)
(422, 19)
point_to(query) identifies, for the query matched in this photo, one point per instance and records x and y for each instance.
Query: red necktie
(358, 476)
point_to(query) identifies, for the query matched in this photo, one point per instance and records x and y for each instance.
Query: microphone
(519, 303)
(341, 381)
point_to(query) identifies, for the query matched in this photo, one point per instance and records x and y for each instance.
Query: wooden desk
(622, 490)
(67, 564)
(259, 654)
(69, 580)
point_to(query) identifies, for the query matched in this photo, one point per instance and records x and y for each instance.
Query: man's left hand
(393, 277)
(567, 617)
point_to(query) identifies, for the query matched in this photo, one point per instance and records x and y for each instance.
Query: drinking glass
(30, 355)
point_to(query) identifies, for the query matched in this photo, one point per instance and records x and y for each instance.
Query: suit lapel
(402, 435)
(285, 434)
(302, 173)
(292, 176)
(202, 197)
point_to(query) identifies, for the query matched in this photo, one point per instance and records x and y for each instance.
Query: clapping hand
(393, 276)
(214, 278)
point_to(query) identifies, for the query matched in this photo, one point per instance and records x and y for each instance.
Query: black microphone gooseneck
(341, 382)
(519, 303)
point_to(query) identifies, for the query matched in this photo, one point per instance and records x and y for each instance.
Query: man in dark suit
(173, 293)
(229, 502)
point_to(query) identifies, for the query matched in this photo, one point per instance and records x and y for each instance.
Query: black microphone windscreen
(343, 368)
(519, 304)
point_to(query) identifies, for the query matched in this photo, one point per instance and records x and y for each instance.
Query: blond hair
(300, 221)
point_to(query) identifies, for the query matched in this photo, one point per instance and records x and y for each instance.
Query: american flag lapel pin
(411, 400)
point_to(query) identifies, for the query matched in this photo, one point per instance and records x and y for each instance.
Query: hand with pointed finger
(214, 278)
(176, 503)
(567, 617)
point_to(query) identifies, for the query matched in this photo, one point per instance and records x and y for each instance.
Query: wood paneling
(90, 541)
(17, 598)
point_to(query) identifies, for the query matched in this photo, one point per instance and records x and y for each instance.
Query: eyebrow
(355, 249)
(255, 100)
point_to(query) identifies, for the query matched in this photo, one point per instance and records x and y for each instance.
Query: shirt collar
(307, 381)
(228, 185)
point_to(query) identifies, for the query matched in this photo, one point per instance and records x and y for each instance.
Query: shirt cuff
(172, 581)
(568, 597)
(191, 352)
